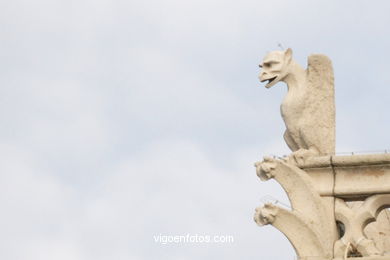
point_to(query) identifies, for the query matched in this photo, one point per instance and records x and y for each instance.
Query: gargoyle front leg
(299, 157)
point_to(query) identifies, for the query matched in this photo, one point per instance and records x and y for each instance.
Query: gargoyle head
(265, 215)
(275, 67)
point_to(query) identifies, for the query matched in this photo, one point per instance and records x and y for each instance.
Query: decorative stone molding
(310, 218)
(319, 194)
(352, 176)
(355, 220)
(297, 228)
(322, 188)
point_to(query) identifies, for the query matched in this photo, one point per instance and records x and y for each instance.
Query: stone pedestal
(338, 205)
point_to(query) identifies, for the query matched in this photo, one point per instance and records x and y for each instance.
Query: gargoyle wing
(320, 103)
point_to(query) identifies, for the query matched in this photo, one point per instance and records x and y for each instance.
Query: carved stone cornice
(318, 190)
(352, 176)
(310, 217)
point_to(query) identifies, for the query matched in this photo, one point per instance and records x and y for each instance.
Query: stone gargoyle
(308, 109)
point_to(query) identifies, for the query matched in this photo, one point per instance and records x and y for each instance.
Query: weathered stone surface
(313, 188)
(379, 232)
(308, 108)
(352, 176)
(311, 218)
(338, 202)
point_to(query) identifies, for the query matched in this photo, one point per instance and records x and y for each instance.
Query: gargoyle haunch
(308, 110)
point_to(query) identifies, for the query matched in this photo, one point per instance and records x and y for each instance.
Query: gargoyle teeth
(271, 79)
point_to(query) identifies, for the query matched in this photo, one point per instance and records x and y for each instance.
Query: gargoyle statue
(308, 109)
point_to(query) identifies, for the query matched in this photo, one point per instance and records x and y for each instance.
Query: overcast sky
(122, 120)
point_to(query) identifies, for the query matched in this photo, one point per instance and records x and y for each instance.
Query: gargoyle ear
(288, 54)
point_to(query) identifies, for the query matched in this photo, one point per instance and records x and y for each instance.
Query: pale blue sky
(127, 119)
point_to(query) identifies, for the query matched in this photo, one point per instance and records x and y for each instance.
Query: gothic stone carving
(355, 219)
(322, 188)
(308, 108)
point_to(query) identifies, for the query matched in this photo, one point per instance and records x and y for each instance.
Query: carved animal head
(275, 67)
(265, 215)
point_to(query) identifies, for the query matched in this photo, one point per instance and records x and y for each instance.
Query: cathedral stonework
(339, 203)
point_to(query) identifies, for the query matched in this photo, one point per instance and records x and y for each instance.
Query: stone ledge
(352, 176)
(346, 160)
(351, 258)
(369, 258)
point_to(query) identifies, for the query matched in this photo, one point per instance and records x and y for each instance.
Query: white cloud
(168, 188)
(122, 119)
(178, 191)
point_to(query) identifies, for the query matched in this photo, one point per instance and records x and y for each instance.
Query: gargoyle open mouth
(269, 80)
